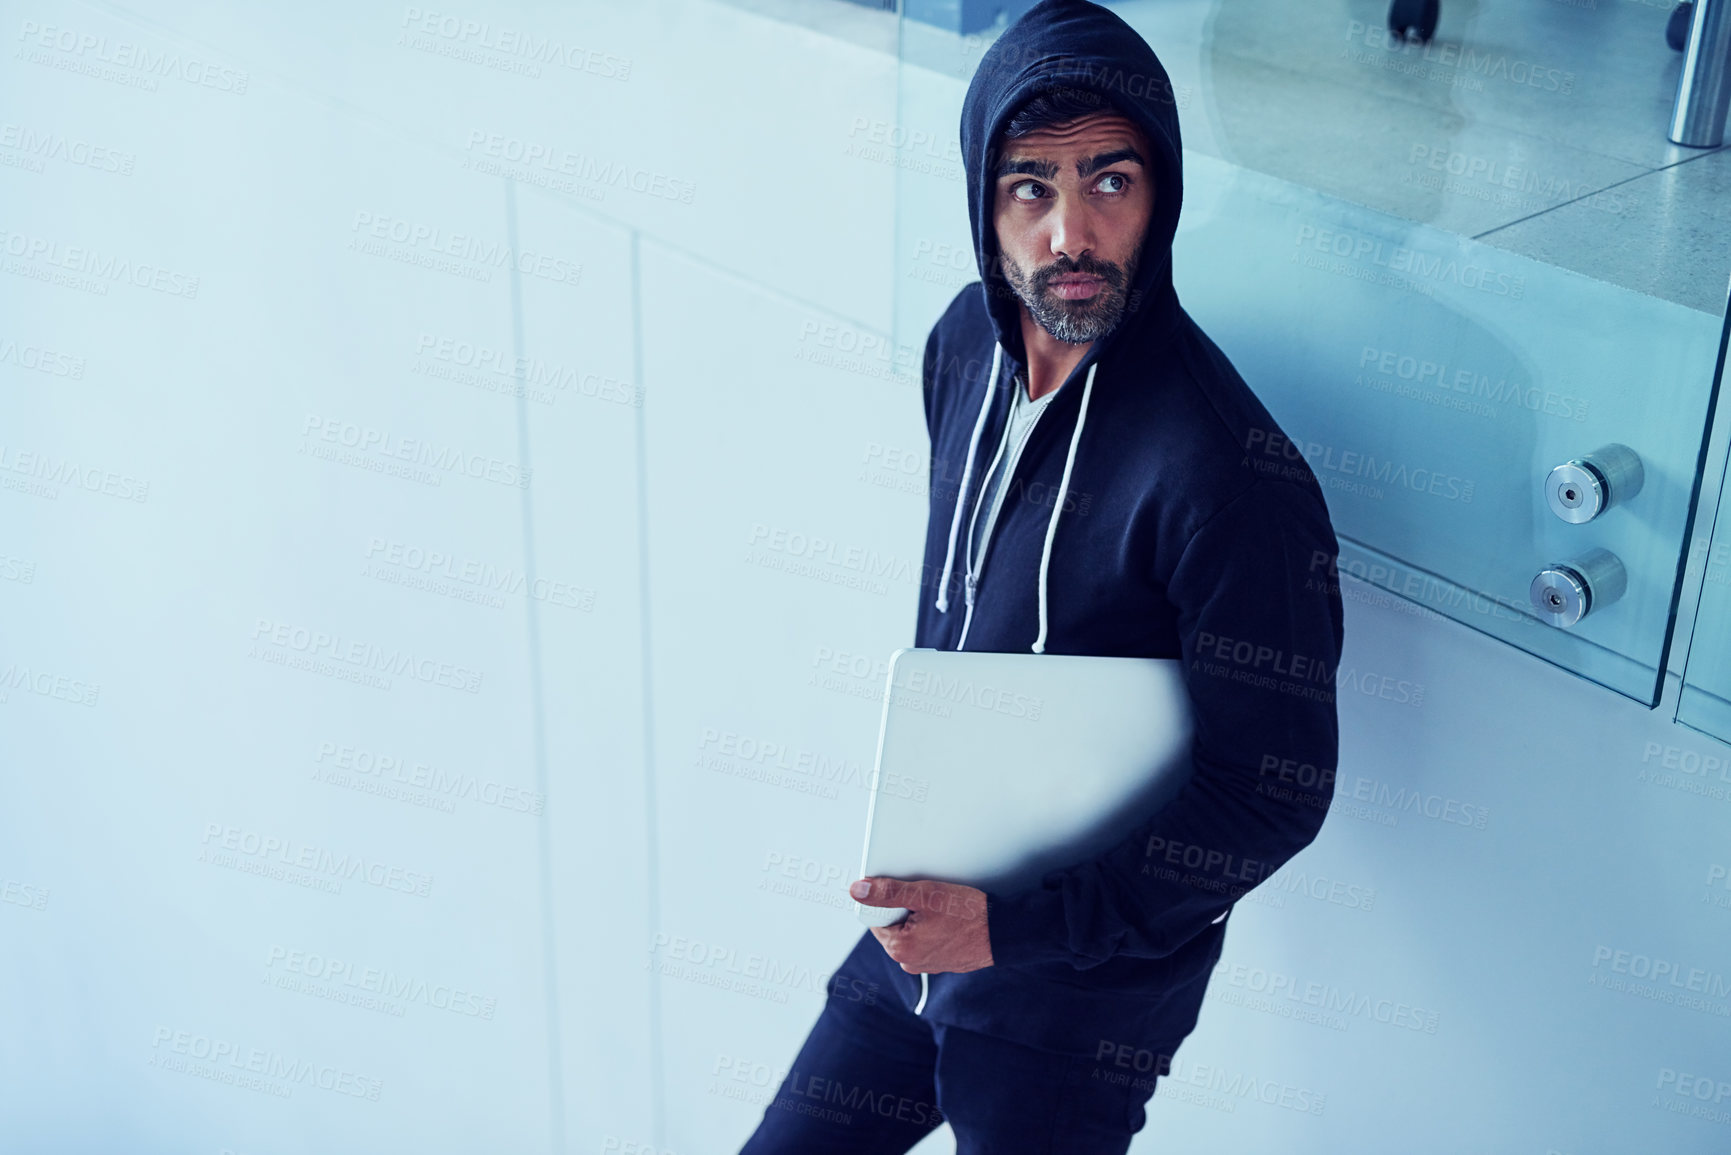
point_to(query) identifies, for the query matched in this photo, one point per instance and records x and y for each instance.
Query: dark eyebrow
(1044, 169)
(1091, 165)
(1086, 167)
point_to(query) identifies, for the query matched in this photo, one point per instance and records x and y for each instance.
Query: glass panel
(1705, 700)
(1481, 280)
(1432, 382)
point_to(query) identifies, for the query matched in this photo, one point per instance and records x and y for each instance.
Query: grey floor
(1535, 125)
(1538, 126)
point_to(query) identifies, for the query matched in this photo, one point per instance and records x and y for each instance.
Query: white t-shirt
(1023, 414)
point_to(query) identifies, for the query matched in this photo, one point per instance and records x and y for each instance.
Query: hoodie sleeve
(928, 370)
(1260, 622)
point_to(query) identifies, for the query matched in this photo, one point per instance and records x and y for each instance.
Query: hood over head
(1062, 44)
(1075, 44)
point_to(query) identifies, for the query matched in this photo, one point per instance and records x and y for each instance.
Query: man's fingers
(901, 951)
(883, 892)
(922, 894)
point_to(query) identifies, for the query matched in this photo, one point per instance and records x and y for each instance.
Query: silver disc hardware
(1580, 490)
(1567, 591)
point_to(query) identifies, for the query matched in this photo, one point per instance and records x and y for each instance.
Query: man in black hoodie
(1140, 502)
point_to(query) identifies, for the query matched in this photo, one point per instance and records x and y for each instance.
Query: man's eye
(1114, 182)
(1026, 191)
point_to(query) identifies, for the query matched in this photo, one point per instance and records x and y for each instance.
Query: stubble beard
(1073, 322)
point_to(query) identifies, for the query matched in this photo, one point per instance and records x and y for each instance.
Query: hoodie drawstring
(955, 527)
(1058, 507)
(943, 602)
(1051, 525)
(967, 475)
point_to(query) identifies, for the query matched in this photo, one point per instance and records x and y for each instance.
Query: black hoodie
(1156, 511)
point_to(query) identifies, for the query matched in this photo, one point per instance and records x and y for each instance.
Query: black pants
(874, 1077)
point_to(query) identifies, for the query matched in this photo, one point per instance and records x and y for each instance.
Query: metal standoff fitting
(1582, 489)
(1568, 591)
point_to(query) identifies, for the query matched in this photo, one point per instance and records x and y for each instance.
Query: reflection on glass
(1705, 702)
(1471, 278)
(1435, 383)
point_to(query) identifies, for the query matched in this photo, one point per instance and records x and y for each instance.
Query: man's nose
(1072, 229)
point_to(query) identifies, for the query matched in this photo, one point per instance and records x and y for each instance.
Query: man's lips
(1076, 286)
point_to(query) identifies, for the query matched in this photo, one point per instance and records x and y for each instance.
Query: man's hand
(945, 932)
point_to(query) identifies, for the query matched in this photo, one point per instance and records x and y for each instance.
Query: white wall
(717, 387)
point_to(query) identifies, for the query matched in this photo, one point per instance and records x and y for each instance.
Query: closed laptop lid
(994, 768)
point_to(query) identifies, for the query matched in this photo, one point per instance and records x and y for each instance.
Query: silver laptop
(995, 768)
